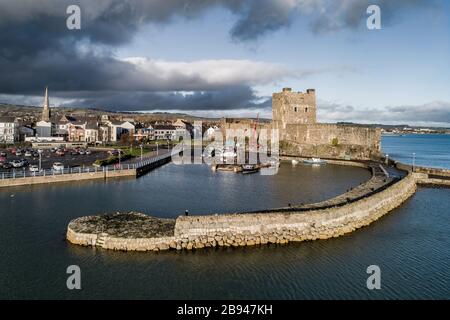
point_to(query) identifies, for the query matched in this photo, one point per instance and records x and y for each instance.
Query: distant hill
(390, 126)
(20, 111)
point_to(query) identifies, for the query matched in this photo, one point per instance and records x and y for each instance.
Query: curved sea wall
(247, 229)
(195, 232)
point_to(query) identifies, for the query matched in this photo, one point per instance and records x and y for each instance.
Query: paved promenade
(133, 167)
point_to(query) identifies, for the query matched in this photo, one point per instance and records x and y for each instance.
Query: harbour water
(410, 244)
(425, 150)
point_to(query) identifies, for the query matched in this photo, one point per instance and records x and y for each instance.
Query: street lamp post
(414, 161)
(120, 151)
(142, 146)
(387, 159)
(157, 148)
(40, 160)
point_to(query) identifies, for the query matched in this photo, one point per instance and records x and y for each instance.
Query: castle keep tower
(46, 110)
(290, 107)
(294, 115)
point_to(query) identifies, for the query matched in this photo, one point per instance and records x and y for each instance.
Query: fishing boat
(315, 161)
(249, 168)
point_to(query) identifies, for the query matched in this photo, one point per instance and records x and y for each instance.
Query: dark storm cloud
(38, 50)
(29, 24)
(238, 97)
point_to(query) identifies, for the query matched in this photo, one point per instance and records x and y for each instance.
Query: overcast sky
(226, 57)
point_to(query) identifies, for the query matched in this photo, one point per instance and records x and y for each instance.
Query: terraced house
(9, 130)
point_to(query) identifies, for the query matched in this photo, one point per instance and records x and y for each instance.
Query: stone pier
(279, 226)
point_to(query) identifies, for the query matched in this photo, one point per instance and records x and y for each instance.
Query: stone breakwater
(196, 232)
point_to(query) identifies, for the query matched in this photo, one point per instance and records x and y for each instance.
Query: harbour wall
(127, 170)
(329, 141)
(66, 177)
(126, 244)
(427, 176)
(293, 226)
(196, 232)
(329, 161)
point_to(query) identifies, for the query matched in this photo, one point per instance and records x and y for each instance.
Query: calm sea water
(430, 150)
(410, 245)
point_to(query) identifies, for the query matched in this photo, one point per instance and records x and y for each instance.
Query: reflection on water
(172, 189)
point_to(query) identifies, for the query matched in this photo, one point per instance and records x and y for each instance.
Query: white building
(91, 132)
(43, 129)
(9, 130)
(118, 128)
(165, 131)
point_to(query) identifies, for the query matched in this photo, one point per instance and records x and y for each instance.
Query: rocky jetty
(124, 225)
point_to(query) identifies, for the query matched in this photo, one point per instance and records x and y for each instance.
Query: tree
(335, 142)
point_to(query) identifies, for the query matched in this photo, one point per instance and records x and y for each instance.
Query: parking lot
(71, 158)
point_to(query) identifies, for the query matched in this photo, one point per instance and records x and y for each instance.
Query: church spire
(46, 109)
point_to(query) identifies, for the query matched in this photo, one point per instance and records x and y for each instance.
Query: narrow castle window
(306, 109)
(295, 109)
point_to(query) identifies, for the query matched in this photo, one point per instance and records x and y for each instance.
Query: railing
(150, 160)
(26, 173)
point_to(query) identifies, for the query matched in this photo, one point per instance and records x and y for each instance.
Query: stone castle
(290, 107)
(294, 114)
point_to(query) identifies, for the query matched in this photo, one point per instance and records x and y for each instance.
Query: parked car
(58, 166)
(88, 152)
(18, 153)
(25, 162)
(35, 154)
(73, 152)
(17, 163)
(33, 168)
(2, 154)
(82, 152)
(2, 158)
(6, 165)
(60, 153)
(115, 152)
(28, 154)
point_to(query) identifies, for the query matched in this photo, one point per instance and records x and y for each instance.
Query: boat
(229, 154)
(294, 162)
(273, 162)
(315, 161)
(249, 168)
